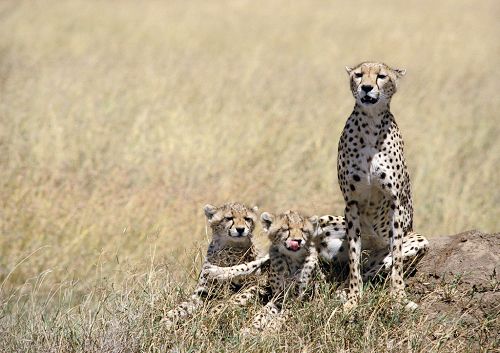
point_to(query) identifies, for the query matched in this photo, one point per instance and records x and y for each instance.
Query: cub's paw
(215, 273)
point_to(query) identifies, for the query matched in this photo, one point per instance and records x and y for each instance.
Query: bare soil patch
(457, 280)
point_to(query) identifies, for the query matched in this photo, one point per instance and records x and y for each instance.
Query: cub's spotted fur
(232, 227)
(294, 262)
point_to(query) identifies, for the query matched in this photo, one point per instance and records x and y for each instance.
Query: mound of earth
(457, 280)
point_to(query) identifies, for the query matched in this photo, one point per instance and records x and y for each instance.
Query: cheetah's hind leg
(240, 299)
(380, 262)
(268, 320)
(181, 312)
(414, 248)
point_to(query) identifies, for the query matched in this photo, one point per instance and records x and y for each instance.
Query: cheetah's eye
(228, 218)
(248, 219)
(358, 75)
(380, 76)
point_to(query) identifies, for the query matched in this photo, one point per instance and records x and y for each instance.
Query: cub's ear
(255, 209)
(266, 219)
(349, 69)
(314, 220)
(400, 72)
(209, 210)
(315, 225)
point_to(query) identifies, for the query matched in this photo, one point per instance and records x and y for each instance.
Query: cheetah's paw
(411, 306)
(350, 305)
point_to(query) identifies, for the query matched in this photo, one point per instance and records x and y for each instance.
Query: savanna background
(119, 120)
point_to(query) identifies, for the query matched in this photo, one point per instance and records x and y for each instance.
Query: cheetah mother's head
(373, 83)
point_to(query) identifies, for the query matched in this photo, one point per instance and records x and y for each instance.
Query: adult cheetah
(373, 176)
(232, 226)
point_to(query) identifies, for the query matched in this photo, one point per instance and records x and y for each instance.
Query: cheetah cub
(232, 227)
(373, 176)
(294, 262)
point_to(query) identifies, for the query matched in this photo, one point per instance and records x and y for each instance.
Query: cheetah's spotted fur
(294, 262)
(372, 174)
(232, 226)
(331, 242)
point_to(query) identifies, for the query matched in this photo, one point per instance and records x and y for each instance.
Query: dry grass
(119, 120)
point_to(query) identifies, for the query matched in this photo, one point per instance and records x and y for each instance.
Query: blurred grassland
(120, 120)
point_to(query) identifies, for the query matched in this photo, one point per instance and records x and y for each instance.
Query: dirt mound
(457, 280)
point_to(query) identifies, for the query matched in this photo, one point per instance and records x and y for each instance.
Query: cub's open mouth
(292, 245)
(369, 100)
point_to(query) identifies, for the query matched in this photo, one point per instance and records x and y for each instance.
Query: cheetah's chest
(373, 199)
(371, 169)
(294, 266)
(227, 257)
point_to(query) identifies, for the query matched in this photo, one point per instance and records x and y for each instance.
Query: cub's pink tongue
(293, 245)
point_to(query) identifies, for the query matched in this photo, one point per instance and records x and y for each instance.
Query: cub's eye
(228, 218)
(248, 219)
(381, 76)
(358, 75)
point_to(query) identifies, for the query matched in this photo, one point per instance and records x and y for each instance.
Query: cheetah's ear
(209, 210)
(400, 72)
(349, 69)
(314, 220)
(266, 219)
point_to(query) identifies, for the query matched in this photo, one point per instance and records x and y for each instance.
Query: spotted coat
(294, 263)
(373, 176)
(332, 246)
(232, 227)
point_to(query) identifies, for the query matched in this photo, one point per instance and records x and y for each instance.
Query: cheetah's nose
(367, 88)
(240, 230)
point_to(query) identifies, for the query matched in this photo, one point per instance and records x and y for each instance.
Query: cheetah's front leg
(354, 238)
(271, 316)
(396, 236)
(219, 273)
(309, 269)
